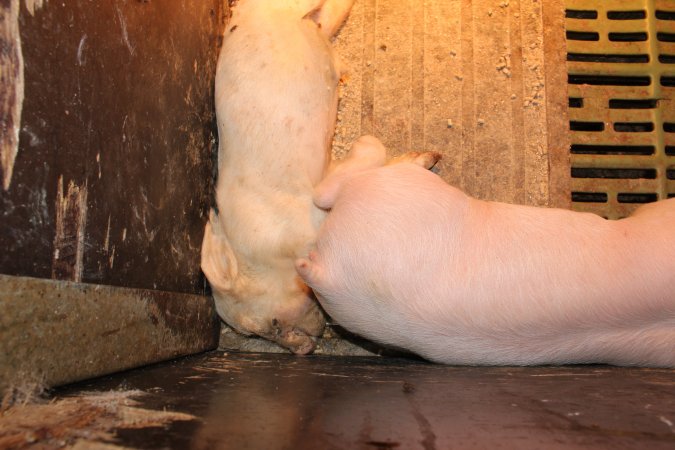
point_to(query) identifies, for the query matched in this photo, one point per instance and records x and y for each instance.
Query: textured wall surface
(111, 180)
(481, 81)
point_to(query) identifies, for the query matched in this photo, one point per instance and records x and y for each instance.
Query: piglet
(276, 103)
(406, 260)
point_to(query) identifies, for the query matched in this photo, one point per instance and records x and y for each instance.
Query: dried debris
(23, 394)
(87, 420)
(504, 65)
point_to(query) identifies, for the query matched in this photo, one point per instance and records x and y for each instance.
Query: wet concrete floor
(265, 401)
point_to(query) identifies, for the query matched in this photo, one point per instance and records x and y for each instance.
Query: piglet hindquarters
(409, 261)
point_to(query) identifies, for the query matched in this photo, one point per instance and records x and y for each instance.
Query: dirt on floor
(31, 420)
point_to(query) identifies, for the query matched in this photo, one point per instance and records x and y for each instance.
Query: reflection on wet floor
(262, 401)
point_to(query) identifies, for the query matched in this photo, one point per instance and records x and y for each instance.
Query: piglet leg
(330, 15)
(424, 159)
(367, 152)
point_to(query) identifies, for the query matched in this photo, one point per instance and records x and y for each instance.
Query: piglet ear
(218, 261)
(330, 14)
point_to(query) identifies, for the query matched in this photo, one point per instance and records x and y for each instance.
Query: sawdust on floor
(85, 421)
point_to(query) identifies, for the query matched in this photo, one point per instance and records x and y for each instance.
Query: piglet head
(271, 302)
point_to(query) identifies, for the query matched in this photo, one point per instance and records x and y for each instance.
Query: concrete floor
(239, 401)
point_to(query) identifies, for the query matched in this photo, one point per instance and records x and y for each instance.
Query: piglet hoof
(423, 159)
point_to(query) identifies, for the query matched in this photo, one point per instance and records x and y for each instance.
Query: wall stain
(11, 88)
(125, 33)
(71, 220)
(34, 5)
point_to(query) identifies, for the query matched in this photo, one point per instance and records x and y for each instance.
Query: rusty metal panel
(55, 332)
(112, 176)
(621, 63)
